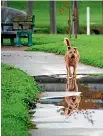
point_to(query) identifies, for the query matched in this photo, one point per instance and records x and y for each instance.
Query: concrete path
(40, 63)
(67, 132)
(47, 119)
(50, 123)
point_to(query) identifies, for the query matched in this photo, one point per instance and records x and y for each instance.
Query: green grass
(41, 11)
(18, 90)
(97, 75)
(90, 47)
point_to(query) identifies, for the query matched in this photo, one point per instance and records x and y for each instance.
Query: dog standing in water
(70, 103)
(71, 58)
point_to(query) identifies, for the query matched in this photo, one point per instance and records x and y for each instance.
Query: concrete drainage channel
(50, 122)
(58, 82)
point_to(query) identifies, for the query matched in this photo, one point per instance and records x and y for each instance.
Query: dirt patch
(13, 48)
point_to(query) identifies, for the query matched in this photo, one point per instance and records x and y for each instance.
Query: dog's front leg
(67, 85)
(74, 71)
(67, 74)
(69, 71)
(75, 85)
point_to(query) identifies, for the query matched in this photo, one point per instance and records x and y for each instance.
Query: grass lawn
(41, 11)
(18, 89)
(97, 75)
(90, 47)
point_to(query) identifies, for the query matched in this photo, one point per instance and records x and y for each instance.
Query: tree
(102, 13)
(75, 20)
(5, 3)
(30, 8)
(53, 17)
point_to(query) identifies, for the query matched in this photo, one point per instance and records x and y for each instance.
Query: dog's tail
(67, 42)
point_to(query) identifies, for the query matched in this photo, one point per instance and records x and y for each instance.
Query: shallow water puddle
(79, 108)
(54, 95)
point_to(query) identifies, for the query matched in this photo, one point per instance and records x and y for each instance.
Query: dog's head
(72, 52)
(72, 100)
(72, 103)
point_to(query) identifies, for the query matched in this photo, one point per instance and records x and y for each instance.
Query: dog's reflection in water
(70, 103)
(71, 85)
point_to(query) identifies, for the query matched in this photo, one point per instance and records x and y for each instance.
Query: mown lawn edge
(18, 91)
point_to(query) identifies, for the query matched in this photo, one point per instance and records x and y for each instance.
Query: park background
(90, 46)
(18, 89)
(41, 10)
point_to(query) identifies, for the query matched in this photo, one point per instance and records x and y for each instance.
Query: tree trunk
(30, 8)
(77, 14)
(102, 13)
(53, 17)
(5, 3)
(75, 20)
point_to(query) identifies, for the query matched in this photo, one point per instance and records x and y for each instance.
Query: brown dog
(71, 58)
(70, 103)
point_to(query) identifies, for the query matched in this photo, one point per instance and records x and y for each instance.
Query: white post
(88, 21)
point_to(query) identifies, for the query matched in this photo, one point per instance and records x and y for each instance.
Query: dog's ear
(75, 48)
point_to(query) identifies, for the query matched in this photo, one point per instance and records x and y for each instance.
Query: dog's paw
(74, 76)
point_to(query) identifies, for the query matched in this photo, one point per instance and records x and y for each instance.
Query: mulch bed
(13, 48)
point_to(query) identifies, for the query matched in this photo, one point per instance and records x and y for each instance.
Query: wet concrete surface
(40, 63)
(84, 121)
(67, 132)
(62, 78)
(54, 87)
(87, 120)
(50, 122)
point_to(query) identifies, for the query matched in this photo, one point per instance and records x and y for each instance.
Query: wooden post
(30, 8)
(5, 3)
(53, 17)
